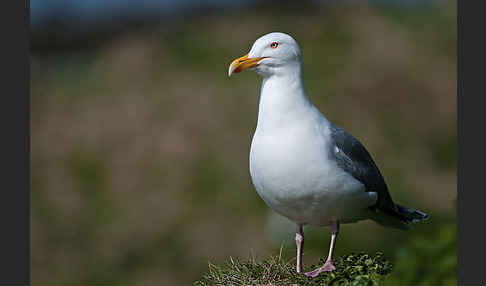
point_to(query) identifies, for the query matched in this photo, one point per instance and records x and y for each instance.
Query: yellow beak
(243, 63)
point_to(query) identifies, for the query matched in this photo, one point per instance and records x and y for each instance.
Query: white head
(272, 54)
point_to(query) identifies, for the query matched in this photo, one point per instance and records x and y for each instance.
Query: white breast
(293, 174)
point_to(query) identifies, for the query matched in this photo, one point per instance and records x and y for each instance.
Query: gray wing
(354, 159)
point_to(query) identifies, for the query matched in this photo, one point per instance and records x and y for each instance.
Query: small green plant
(352, 269)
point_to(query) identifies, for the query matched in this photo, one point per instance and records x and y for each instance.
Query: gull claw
(327, 267)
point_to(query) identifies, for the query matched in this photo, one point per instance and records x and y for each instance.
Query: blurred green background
(140, 141)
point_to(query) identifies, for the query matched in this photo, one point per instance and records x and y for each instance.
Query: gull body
(303, 166)
(291, 162)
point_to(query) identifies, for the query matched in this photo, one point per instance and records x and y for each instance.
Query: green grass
(352, 269)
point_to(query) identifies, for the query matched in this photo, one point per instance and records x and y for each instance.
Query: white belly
(297, 179)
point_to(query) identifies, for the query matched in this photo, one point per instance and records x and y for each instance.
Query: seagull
(303, 166)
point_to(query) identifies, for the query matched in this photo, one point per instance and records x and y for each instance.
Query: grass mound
(352, 269)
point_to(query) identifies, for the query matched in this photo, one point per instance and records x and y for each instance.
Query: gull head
(272, 54)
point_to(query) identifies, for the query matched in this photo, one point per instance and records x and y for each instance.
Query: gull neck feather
(283, 99)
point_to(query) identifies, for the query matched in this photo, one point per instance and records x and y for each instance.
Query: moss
(352, 269)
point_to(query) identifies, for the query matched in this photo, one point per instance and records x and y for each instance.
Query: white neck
(283, 99)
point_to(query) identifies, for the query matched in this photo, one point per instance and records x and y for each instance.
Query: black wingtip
(419, 216)
(412, 215)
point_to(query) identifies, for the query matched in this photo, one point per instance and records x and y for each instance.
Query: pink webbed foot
(327, 267)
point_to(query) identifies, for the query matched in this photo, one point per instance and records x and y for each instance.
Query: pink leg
(328, 265)
(299, 240)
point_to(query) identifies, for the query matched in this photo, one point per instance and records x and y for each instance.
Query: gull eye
(274, 45)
